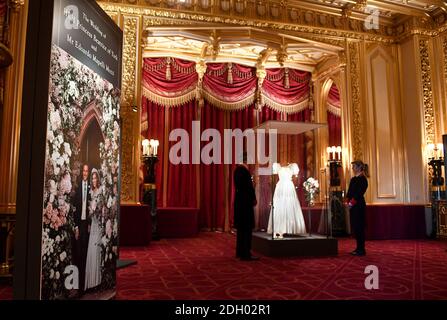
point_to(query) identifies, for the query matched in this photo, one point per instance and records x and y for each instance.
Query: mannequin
(286, 214)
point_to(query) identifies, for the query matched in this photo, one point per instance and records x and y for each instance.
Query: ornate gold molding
(357, 130)
(130, 43)
(12, 106)
(422, 27)
(444, 50)
(127, 154)
(330, 28)
(17, 4)
(427, 91)
(129, 99)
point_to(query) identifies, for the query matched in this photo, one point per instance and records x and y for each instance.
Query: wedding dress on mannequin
(286, 214)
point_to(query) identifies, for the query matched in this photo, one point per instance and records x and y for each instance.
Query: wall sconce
(435, 163)
(150, 147)
(334, 163)
(331, 151)
(150, 151)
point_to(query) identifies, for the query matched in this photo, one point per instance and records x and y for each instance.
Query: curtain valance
(286, 90)
(230, 86)
(169, 81)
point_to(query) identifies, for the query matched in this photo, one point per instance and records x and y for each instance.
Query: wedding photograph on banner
(80, 216)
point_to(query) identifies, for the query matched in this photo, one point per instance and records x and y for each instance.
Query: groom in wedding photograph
(81, 219)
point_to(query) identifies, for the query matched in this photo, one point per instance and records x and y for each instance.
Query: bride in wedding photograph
(94, 253)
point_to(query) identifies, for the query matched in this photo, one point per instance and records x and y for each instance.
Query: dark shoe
(359, 253)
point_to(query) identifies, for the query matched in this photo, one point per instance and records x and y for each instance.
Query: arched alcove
(90, 137)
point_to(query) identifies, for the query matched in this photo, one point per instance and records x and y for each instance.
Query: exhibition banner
(81, 189)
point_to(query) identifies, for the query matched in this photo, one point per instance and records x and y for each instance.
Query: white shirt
(84, 200)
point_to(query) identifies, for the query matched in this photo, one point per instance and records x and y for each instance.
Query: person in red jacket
(357, 205)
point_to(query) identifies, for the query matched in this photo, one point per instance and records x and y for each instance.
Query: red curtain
(334, 124)
(269, 114)
(231, 83)
(241, 119)
(169, 78)
(156, 130)
(213, 186)
(334, 96)
(229, 90)
(297, 149)
(182, 180)
(334, 120)
(286, 86)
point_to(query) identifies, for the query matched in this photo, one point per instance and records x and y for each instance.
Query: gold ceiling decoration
(241, 45)
(332, 14)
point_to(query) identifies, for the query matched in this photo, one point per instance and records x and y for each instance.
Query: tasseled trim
(286, 79)
(243, 75)
(217, 73)
(275, 77)
(225, 105)
(291, 108)
(176, 101)
(168, 69)
(336, 111)
(155, 67)
(300, 79)
(230, 73)
(181, 69)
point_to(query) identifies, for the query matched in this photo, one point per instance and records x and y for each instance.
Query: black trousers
(80, 252)
(243, 242)
(358, 225)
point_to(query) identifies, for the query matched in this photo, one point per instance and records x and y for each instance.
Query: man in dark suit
(81, 219)
(244, 216)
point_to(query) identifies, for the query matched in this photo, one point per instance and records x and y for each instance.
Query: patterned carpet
(205, 268)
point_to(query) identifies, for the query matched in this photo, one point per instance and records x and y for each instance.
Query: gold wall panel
(130, 43)
(383, 127)
(427, 92)
(130, 100)
(15, 38)
(355, 100)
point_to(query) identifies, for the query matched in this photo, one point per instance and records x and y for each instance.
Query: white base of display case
(296, 246)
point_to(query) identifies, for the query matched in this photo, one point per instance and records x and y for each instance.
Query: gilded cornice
(289, 18)
(422, 27)
(320, 29)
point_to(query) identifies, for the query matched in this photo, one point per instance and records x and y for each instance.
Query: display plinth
(302, 246)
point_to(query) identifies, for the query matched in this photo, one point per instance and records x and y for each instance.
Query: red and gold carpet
(205, 268)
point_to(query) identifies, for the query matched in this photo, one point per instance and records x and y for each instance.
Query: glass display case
(289, 209)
